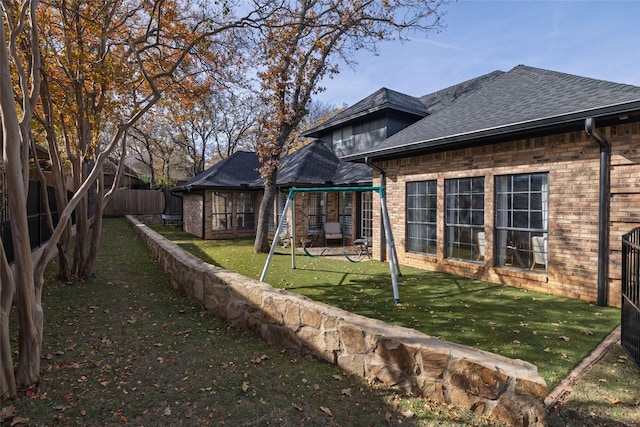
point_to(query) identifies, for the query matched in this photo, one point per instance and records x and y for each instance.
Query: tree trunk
(261, 244)
(96, 229)
(7, 288)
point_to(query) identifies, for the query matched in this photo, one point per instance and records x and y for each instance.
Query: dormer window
(342, 139)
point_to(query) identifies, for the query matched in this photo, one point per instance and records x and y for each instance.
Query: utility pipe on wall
(604, 209)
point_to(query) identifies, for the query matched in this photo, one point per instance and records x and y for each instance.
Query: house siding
(572, 163)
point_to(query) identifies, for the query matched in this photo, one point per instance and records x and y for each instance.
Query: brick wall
(572, 162)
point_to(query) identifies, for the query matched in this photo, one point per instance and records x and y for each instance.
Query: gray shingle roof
(312, 165)
(523, 99)
(382, 99)
(239, 169)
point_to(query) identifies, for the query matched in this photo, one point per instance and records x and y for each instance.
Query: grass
(608, 394)
(551, 332)
(125, 348)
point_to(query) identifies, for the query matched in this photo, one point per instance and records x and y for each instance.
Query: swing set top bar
(294, 190)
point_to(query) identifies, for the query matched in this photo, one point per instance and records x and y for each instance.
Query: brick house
(526, 178)
(222, 201)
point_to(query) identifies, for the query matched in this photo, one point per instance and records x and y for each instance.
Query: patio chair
(480, 238)
(332, 231)
(539, 249)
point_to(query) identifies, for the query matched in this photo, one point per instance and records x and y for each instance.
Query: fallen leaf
(586, 331)
(563, 338)
(7, 412)
(167, 411)
(245, 386)
(337, 377)
(408, 414)
(326, 411)
(19, 420)
(346, 392)
(615, 401)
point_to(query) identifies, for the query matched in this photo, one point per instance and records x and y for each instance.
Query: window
(421, 216)
(342, 138)
(245, 217)
(522, 220)
(281, 201)
(221, 210)
(464, 217)
(345, 212)
(317, 212)
(366, 214)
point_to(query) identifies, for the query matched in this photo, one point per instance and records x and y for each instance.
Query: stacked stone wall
(509, 390)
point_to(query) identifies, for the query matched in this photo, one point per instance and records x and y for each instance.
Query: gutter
(604, 209)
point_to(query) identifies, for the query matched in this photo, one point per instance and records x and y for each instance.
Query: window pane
(421, 216)
(521, 218)
(464, 217)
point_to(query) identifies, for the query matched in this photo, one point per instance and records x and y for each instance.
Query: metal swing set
(391, 248)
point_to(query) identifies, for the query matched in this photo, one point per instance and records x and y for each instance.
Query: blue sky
(598, 39)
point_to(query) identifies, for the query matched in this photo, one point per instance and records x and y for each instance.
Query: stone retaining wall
(509, 390)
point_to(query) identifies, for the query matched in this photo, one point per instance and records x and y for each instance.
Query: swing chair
(364, 244)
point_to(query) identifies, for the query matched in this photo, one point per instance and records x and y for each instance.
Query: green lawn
(554, 333)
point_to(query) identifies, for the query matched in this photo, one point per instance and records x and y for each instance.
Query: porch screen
(464, 217)
(345, 212)
(245, 216)
(317, 212)
(522, 220)
(421, 216)
(221, 210)
(366, 214)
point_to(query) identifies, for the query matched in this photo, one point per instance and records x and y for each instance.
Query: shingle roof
(312, 165)
(240, 168)
(382, 99)
(440, 99)
(315, 164)
(523, 99)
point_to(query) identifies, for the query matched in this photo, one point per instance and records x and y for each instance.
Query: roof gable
(382, 99)
(316, 164)
(239, 169)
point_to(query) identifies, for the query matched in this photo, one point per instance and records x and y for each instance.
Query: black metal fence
(36, 217)
(631, 294)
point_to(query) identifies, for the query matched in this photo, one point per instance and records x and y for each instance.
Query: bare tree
(304, 42)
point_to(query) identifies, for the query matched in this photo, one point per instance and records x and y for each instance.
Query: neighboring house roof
(238, 170)
(312, 165)
(522, 101)
(382, 99)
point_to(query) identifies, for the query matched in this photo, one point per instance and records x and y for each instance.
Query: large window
(522, 220)
(245, 216)
(421, 216)
(464, 217)
(366, 214)
(345, 212)
(221, 210)
(342, 138)
(317, 212)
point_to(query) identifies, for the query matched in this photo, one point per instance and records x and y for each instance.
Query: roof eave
(572, 121)
(329, 124)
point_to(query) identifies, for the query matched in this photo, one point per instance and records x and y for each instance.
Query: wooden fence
(135, 202)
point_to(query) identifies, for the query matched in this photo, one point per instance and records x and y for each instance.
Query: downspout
(383, 183)
(604, 209)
